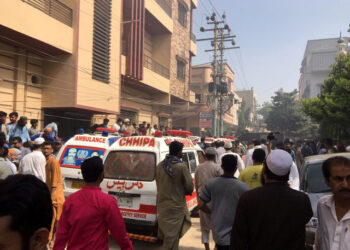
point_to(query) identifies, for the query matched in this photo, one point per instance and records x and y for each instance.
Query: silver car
(313, 184)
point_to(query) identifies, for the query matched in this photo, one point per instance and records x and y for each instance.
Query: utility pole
(218, 88)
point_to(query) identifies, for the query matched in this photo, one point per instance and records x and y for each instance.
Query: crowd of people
(248, 196)
(262, 208)
(26, 151)
(127, 127)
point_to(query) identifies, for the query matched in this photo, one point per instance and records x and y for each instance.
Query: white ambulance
(130, 166)
(75, 151)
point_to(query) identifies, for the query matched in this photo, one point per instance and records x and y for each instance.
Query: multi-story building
(251, 102)
(57, 63)
(80, 61)
(315, 67)
(200, 115)
(156, 61)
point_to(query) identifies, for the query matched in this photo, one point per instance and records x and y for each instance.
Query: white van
(75, 151)
(130, 166)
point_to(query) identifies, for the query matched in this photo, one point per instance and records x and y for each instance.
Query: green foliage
(285, 115)
(332, 107)
(265, 109)
(243, 118)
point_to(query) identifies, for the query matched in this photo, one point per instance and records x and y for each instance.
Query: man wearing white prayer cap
(272, 216)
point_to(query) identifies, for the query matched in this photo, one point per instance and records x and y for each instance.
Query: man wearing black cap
(273, 216)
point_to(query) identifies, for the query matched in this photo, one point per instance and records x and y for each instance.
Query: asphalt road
(190, 241)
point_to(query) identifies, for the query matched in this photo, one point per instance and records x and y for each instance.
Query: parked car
(313, 184)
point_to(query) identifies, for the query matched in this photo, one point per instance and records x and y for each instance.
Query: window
(73, 156)
(198, 98)
(190, 160)
(181, 70)
(201, 157)
(101, 40)
(130, 165)
(182, 15)
(315, 182)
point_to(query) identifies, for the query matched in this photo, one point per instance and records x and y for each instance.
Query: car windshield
(130, 165)
(315, 182)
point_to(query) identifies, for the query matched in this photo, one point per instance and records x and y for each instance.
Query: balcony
(45, 25)
(166, 6)
(55, 9)
(156, 67)
(159, 12)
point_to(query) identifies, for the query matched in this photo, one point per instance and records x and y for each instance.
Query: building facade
(78, 62)
(201, 111)
(56, 63)
(315, 67)
(251, 102)
(155, 81)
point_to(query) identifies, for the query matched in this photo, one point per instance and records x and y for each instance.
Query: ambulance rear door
(190, 157)
(130, 178)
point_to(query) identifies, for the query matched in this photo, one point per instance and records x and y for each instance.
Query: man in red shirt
(89, 213)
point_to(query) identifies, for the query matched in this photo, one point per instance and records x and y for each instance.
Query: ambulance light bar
(179, 133)
(109, 130)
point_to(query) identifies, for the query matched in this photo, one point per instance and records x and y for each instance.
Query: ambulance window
(185, 158)
(73, 156)
(201, 157)
(130, 165)
(192, 160)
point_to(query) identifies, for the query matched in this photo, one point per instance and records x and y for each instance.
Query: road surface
(191, 240)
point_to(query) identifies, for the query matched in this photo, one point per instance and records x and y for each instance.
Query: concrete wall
(153, 7)
(318, 57)
(180, 48)
(161, 49)
(22, 17)
(107, 97)
(17, 92)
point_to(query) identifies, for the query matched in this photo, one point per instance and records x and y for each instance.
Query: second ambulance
(130, 166)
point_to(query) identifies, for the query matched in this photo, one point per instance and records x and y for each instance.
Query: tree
(285, 115)
(243, 118)
(332, 107)
(265, 109)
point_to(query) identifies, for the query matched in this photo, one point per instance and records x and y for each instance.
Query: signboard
(205, 119)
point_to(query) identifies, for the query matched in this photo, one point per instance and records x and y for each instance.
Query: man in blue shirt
(19, 130)
(13, 121)
(46, 134)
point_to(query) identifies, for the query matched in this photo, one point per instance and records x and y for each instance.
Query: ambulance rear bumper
(140, 227)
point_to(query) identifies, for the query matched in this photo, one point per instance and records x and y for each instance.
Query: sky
(272, 35)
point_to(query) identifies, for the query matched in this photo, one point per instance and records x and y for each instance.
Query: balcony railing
(151, 64)
(193, 37)
(166, 6)
(55, 9)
